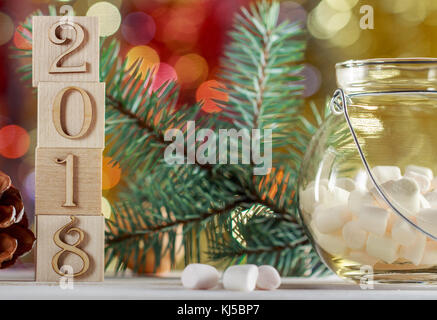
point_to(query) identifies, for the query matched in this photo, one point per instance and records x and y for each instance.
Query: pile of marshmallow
(245, 277)
(350, 220)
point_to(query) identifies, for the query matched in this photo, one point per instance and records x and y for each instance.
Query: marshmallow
(427, 220)
(328, 220)
(383, 174)
(354, 235)
(414, 252)
(311, 196)
(358, 199)
(373, 219)
(332, 243)
(403, 233)
(383, 248)
(268, 278)
(404, 194)
(431, 197)
(424, 204)
(346, 183)
(360, 180)
(422, 181)
(434, 183)
(200, 276)
(362, 258)
(420, 170)
(430, 253)
(336, 196)
(240, 277)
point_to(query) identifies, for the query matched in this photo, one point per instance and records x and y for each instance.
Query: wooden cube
(68, 181)
(70, 246)
(65, 49)
(71, 115)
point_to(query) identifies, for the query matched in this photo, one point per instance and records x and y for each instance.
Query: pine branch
(163, 203)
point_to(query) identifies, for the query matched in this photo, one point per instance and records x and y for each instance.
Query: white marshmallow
(422, 181)
(362, 258)
(200, 276)
(403, 233)
(346, 183)
(312, 196)
(330, 219)
(354, 236)
(404, 195)
(414, 252)
(383, 248)
(373, 219)
(322, 182)
(331, 243)
(240, 277)
(430, 254)
(268, 278)
(427, 220)
(336, 196)
(431, 197)
(420, 170)
(434, 183)
(358, 199)
(424, 204)
(360, 180)
(383, 174)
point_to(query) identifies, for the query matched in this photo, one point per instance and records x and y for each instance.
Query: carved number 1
(69, 185)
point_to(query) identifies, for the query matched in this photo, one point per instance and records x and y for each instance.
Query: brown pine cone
(16, 238)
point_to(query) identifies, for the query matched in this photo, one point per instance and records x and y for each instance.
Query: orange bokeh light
(191, 69)
(14, 141)
(208, 92)
(21, 42)
(111, 173)
(150, 59)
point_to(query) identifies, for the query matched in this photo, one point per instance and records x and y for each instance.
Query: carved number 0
(53, 36)
(87, 114)
(69, 184)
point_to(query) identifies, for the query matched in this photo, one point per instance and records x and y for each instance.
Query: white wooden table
(170, 287)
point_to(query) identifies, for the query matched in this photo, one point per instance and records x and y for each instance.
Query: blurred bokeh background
(184, 39)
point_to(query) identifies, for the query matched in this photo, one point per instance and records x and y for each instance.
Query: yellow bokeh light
(7, 28)
(342, 5)
(109, 17)
(106, 208)
(191, 69)
(149, 59)
(111, 173)
(348, 35)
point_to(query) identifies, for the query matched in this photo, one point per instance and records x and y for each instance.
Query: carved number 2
(53, 36)
(69, 184)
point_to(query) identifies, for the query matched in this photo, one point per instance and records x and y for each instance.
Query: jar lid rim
(378, 61)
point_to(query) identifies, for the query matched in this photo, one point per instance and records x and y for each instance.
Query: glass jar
(367, 192)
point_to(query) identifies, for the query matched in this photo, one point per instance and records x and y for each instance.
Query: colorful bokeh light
(6, 28)
(14, 141)
(111, 173)
(165, 73)
(191, 69)
(20, 41)
(209, 92)
(138, 28)
(109, 17)
(148, 56)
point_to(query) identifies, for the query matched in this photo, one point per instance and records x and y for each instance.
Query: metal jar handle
(338, 105)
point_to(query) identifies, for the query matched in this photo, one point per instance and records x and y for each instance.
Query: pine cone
(16, 238)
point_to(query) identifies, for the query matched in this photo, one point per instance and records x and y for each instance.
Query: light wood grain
(51, 191)
(71, 114)
(65, 49)
(55, 245)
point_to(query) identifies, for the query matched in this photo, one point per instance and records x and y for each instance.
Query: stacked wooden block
(71, 139)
